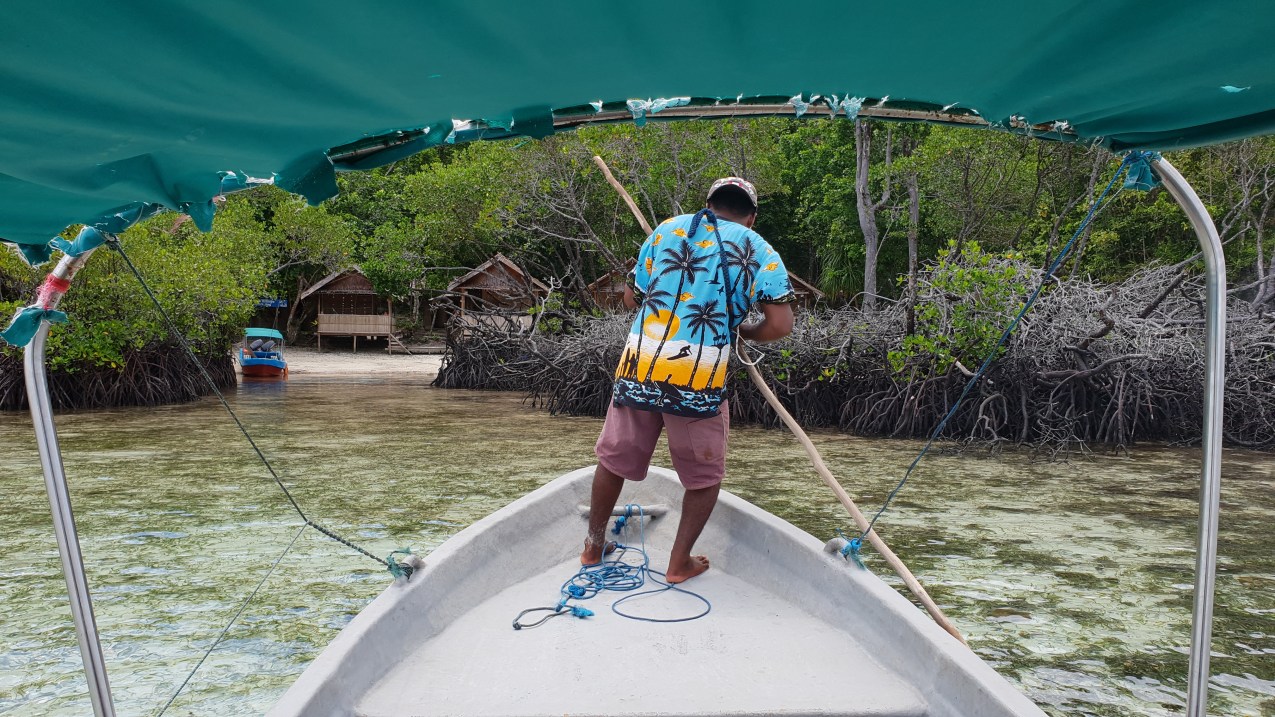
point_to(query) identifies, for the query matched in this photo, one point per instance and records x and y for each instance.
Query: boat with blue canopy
(261, 354)
(142, 111)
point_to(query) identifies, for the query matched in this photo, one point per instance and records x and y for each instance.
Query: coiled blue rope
(617, 574)
(1137, 165)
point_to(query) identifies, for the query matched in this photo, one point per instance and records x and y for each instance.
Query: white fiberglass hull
(794, 630)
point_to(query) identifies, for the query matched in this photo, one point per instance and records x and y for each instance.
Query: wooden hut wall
(342, 303)
(497, 288)
(608, 290)
(609, 294)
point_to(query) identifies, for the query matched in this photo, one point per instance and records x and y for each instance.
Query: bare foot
(592, 554)
(685, 571)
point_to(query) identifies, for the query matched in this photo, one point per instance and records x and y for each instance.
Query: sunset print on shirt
(675, 359)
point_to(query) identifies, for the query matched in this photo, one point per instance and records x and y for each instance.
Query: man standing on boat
(696, 279)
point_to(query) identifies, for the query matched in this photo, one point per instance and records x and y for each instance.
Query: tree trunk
(914, 231)
(292, 326)
(1266, 289)
(868, 208)
(1099, 163)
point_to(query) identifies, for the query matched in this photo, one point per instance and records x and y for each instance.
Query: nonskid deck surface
(754, 654)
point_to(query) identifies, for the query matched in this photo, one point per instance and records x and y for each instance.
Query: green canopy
(262, 333)
(113, 109)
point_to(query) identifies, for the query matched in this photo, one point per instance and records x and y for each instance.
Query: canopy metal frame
(46, 438)
(1210, 474)
(1211, 433)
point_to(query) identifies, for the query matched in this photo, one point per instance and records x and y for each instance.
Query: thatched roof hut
(498, 293)
(497, 283)
(807, 294)
(349, 306)
(608, 290)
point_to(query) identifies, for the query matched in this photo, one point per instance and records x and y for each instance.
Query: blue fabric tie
(88, 239)
(27, 321)
(1140, 176)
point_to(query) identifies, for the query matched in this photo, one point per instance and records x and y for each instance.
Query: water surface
(1073, 579)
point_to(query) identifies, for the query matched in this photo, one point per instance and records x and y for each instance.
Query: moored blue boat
(261, 354)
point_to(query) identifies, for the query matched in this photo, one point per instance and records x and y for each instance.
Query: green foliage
(783, 364)
(969, 296)
(208, 284)
(421, 219)
(979, 184)
(298, 241)
(819, 171)
(415, 225)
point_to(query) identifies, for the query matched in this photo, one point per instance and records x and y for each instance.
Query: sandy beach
(308, 361)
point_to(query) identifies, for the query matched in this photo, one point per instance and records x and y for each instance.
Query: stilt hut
(608, 290)
(807, 294)
(497, 292)
(348, 306)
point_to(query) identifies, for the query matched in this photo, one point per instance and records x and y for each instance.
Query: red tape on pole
(52, 288)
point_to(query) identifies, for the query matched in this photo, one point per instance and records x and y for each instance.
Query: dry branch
(1088, 366)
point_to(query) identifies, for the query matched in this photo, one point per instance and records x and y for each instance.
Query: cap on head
(740, 184)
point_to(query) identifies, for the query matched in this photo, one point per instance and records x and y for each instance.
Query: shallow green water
(1074, 580)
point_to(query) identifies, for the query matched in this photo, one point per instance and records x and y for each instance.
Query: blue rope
(1135, 160)
(616, 574)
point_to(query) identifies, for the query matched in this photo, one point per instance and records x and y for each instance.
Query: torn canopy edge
(375, 151)
(119, 219)
(313, 175)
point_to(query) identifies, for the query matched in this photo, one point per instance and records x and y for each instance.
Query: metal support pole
(1211, 471)
(60, 500)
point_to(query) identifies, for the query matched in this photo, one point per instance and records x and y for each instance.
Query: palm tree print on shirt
(683, 261)
(723, 353)
(703, 318)
(655, 300)
(744, 259)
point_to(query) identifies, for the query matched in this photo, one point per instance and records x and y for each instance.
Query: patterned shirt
(694, 281)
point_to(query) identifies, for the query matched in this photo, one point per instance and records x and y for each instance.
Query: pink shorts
(696, 445)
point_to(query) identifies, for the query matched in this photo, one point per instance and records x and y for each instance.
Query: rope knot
(27, 321)
(852, 551)
(399, 569)
(623, 520)
(1140, 176)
